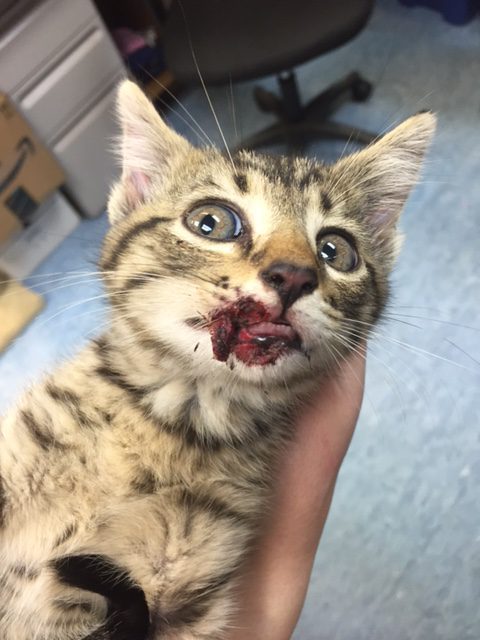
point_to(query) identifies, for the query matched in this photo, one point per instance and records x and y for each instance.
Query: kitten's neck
(213, 408)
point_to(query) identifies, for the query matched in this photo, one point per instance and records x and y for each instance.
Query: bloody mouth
(248, 330)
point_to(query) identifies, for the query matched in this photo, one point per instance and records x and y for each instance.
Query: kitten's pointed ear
(383, 174)
(148, 149)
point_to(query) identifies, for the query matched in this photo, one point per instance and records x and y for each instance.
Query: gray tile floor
(400, 558)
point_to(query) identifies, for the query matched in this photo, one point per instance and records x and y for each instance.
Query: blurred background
(400, 556)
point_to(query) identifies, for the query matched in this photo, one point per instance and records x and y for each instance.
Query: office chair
(235, 40)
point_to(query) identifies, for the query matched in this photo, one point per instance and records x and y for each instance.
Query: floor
(400, 557)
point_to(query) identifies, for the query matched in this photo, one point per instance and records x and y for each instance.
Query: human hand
(275, 579)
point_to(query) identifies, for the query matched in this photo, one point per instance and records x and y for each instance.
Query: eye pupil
(207, 225)
(329, 251)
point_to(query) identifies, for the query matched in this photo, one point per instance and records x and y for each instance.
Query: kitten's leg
(43, 510)
(34, 605)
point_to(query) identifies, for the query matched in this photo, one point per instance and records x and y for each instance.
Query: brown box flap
(28, 171)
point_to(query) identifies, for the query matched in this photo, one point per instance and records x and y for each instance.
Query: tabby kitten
(132, 478)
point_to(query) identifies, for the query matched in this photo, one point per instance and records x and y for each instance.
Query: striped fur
(133, 477)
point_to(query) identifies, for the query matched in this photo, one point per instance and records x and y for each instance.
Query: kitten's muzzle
(290, 281)
(247, 329)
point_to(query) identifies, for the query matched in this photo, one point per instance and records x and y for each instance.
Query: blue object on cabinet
(454, 11)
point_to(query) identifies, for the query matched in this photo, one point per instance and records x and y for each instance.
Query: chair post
(292, 108)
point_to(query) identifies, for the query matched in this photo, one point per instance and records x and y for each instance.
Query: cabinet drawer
(38, 38)
(85, 153)
(84, 72)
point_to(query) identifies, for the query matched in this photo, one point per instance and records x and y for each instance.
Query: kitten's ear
(148, 150)
(384, 174)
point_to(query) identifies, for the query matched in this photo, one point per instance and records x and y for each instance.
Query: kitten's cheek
(222, 334)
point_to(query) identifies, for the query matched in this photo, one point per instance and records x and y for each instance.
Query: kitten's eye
(217, 222)
(337, 252)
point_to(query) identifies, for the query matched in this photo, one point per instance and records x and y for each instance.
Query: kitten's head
(261, 268)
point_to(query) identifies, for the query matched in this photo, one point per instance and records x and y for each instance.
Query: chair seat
(245, 39)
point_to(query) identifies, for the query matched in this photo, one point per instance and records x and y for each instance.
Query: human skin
(275, 578)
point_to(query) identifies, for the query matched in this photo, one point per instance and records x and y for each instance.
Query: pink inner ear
(382, 219)
(137, 187)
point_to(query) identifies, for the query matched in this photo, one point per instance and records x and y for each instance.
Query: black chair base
(298, 124)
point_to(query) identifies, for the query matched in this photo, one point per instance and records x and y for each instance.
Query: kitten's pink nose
(290, 281)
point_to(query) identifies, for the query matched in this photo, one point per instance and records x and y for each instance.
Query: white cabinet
(91, 137)
(79, 77)
(59, 65)
(39, 38)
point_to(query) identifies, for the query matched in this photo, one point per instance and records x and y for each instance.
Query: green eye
(214, 221)
(337, 252)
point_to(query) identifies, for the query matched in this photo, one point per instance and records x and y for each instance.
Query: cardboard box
(18, 306)
(28, 171)
(9, 225)
(54, 221)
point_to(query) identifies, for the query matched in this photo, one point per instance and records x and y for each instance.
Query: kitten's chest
(172, 503)
(144, 457)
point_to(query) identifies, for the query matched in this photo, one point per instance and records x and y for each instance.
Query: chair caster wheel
(267, 101)
(361, 89)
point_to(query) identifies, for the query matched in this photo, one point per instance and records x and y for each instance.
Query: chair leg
(335, 130)
(351, 87)
(303, 123)
(278, 133)
(285, 133)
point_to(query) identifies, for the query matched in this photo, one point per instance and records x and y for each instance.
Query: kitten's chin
(265, 349)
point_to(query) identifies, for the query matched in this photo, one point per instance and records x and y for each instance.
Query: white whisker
(194, 58)
(203, 134)
(232, 103)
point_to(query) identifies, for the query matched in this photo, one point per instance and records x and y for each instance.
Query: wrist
(274, 582)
